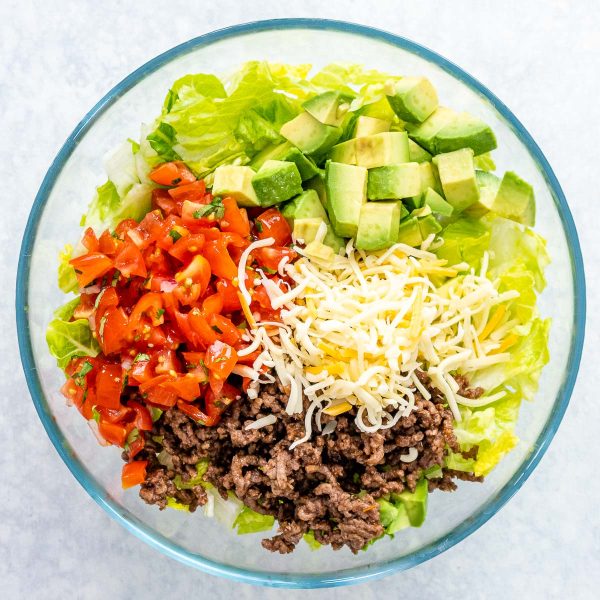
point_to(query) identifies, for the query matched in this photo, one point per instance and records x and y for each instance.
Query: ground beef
(328, 485)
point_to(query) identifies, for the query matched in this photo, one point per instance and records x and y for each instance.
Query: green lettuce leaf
(491, 454)
(485, 162)
(464, 240)
(67, 278)
(67, 339)
(249, 521)
(201, 468)
(172, 503)
(104, 205)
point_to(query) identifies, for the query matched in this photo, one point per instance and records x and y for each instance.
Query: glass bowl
(68, 186)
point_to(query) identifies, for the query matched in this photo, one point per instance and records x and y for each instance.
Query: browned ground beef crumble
(327, 485)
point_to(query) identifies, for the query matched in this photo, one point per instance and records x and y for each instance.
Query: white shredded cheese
(262, 422)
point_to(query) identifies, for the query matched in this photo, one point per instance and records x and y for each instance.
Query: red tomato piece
(193, 412)
(172, 173)
(187, 247)
(220, 359)
(272, 224)
(230, 334)
(114, 415)
(90, 241)
(229, 295)
(271, 257)
(149, 305)
(235, 219)
(204, 334)
(193, 192)
(143, 418)
(197, 271)
(109, 383)
(130, 262)
(112, 433)
(161, 200)
(113, 330)
(91, 266)
(220, 261)
(212, 305)
(134, 473)
(186, 387)
(108, 244)
(136, 446)
(167, 362)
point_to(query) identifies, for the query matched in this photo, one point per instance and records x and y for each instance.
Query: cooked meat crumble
(328, 485)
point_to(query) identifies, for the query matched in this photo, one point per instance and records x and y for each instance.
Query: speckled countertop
(58, 58)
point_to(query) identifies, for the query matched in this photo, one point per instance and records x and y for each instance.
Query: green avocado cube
(394, 182)
(413, 99)
(365, 126)
(276, 182)
(310, 135)
(377, 150)
(488, 184)
(289, 153)
(515, 200)
(378, 225)
(317, 184)
(415, 503)
(457, 175)
(465, 131)
(307, 229)
(409, 232)
(425, 132)
(416, 153)
(346, 193)
(437, 204)
(344, 152)
(428, 225)
(327, 108)
(235, 181)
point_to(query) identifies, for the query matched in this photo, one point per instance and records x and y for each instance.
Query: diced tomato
(161, 396)
(220, 261)
(112, 433)
(216, 404)
(134, 473)
(193, 412)
(270, 257)
(220, 359)
(91, 266)
(149, 305)
(229, 295)
(167, 362)
(149, 230)
(235, 219)
(72, 392)
(229, 333)
(205, 335)
(186, 387)
(261, 297)
(272, 224)
(189, 212)
(172, 173)
(90, 241)
(140, 372)
(136, 446)
(107, 298)
(197, 271)
(109, 383)
(124, 226)
(212, 305)
(113, 330)
(130, 262)
(187, 247)
(194, 192)
(162, 200)
(143, 418)
(108, 244)
(114, 415)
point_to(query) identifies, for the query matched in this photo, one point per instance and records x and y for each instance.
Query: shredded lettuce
(310, 540)
(67, 278)
(201, 468)
(465, 240)
(485, 162)
(67, 339)
(249, 521)
(172, 503)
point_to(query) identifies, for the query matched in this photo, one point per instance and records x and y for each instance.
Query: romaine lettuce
(249, 521)
(67, 278)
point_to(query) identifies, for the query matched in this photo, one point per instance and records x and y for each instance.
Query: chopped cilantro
(215, 208)
(175, 235)
(95, 414)
(259, 226)
(141, 356)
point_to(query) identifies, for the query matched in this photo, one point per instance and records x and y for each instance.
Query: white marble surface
(58, 57)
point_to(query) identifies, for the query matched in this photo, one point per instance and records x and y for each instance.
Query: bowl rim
(298, 580)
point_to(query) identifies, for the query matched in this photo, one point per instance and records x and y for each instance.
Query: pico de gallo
(163, 303)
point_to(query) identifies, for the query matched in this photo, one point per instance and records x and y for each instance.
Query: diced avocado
(409, 232)
(429, 177)
(465, 131)
(378, 225)
(317, 183)
(429, 225)
(326, 108)
(369, 126)
(437, 204)
(380, 149)
(423, 211)
(377, 150)
(416, 153)
(306, 229)
(415, 503)
(413, 99)
(320, 250)
(289, 153)
(276, 181)
(380, 109)
(235, 181)
(457, 174)
(515, 200)
(344, 152)
(401, 520)
(304, 206)
(488, 187)
(346, 193)
(424, 133)
(310, 135)
(403, 212)
(394, 182)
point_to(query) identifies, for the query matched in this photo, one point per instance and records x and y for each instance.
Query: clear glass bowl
(54, 220)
